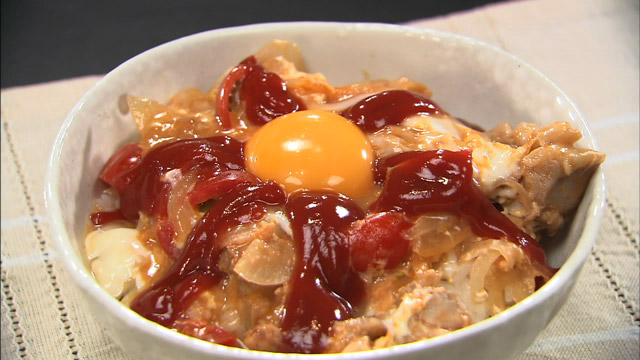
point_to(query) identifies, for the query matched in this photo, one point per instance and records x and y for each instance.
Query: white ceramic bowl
(470, 79)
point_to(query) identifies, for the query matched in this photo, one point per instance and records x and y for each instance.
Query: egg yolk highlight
(312, 150)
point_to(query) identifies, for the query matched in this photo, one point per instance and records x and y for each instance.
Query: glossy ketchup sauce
(324, 287)
(197, 267)
(146, 183)
(421, 182)
(389, 108)
(265, 94)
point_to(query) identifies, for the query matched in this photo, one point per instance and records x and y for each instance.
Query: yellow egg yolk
(312, 150)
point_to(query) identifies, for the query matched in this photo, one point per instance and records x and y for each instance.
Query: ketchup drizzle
(197, 268)
(389, 108)
(323, 286)
(265, 94)
(440, 180)
(148, 190)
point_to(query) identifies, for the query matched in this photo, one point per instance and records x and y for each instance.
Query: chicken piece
(382, 290)
(534, 136)
(285, 59)
(374, 86)
(355, 334)
(205, 331)
(236, 305)
(159, 123)
(556, 179)
(362, 343)
(426, 312)
(554, 174)
(264, 337)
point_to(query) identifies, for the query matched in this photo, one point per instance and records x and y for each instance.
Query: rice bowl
(519, 92)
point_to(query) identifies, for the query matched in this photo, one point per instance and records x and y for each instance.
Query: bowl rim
(85, 281)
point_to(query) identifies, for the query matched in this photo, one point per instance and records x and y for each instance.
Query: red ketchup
(197, 267)
(142, 182)
(323, 286)
(420, 182)
(389, 108)
(265, 94)
(147, 188)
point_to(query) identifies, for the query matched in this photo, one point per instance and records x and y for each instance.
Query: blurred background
(44, 40)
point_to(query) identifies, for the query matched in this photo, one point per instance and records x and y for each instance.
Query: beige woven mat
(590, 48)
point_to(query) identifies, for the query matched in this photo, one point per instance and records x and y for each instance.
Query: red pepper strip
(104, 217)
(166, 238)
(378, 241)
(219, 184)
(116, 171)
(236, 74)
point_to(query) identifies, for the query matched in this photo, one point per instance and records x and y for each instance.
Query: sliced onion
(181, 213)
(266, 263)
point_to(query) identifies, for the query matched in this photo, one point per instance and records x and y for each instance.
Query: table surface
(590, 48)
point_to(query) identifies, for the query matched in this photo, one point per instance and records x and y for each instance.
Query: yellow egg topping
(312, 150)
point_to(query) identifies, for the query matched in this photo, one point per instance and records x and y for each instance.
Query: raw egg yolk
(312, 150)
